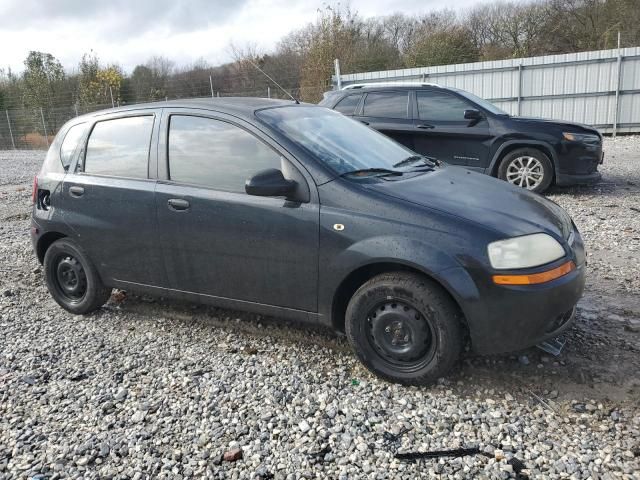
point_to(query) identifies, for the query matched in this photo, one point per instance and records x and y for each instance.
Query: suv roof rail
(389, 84)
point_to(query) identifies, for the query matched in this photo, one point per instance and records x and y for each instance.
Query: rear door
(219, 241)
(389, 112)
(108, 198)
(441, 130)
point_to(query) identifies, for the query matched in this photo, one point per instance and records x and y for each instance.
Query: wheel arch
(512, 145)
(45, 241)
(356, 278)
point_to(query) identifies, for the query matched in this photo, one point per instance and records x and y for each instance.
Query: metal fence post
(519, 88)
(336, 66)
(44, 126)
(617, 98)
(211, 85)
(268, 91)
(111, 93)
(13, 143)
(76, 107)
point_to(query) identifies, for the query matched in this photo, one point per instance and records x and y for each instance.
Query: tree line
(302, 61)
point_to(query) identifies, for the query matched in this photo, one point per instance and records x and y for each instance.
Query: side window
(216, 154)
(388, 105)
(348, 104)
(120, 147)
(70, 144)
(441, 107)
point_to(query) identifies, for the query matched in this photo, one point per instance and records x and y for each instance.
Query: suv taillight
(34, 193)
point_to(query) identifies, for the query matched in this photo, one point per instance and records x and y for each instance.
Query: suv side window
(120, 147)
(70, 144)
(348, 104)
(386, 104)
(441, 107)
(215, 153)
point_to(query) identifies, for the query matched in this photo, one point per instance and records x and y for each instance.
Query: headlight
(524, 252)
(581, 137)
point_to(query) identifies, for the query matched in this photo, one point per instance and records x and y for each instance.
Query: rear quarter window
(71, 143)
(120, 147)
(348, 104)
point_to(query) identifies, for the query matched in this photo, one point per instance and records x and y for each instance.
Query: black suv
(462, 129)
(296, 211)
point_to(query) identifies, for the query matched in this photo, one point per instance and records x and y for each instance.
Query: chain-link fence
(35, 127)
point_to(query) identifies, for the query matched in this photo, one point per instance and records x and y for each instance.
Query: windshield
(343, 144)
(481, 101)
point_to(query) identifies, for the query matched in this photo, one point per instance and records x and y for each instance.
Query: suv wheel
(72, 279)
(527, 168)
(404, 328)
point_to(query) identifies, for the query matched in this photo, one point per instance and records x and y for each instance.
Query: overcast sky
(128, 32)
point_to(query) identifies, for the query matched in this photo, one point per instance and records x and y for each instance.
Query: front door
(441, 131)
(389, 113)
(221, 242)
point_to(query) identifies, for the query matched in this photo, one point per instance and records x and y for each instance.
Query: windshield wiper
(428, 161)
(379, 171)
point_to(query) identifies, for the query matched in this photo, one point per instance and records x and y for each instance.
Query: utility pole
(336, 66)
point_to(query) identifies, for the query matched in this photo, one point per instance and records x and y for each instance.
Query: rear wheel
(527, 168)
(72, 279)
(404, 328)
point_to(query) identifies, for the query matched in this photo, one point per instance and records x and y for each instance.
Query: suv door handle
(178, 204)
(425, 126)
(76, 191)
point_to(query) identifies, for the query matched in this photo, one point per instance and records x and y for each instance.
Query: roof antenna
(277, 84)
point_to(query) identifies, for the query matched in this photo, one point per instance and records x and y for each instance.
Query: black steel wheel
(72, 279)
(404, 328)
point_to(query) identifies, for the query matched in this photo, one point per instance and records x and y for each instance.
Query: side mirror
(472, 114)
(269, 183)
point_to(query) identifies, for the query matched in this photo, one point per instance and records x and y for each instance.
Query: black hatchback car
(296, 211)
(462, 129)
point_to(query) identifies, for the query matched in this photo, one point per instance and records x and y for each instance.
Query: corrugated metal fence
(600, 88)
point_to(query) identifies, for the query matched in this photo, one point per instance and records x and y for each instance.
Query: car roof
(241, 106)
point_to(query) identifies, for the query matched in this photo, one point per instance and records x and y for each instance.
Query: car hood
(559, 123)
(508, 210)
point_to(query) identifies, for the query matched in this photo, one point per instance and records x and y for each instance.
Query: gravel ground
(154, 389)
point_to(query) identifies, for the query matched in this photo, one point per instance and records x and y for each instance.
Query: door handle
(425, 126)
(362, 121)
(76, 191)
(178, 204)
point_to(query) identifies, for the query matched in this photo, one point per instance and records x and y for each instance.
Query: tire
(522, 166)
(429, 320)
(72, 279)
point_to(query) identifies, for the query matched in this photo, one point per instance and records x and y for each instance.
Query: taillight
(34, 193)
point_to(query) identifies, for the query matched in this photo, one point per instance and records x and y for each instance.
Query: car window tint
(441, 107)
(70, 144)
(388, 105)
(120, 147)
(348, 104)
(214, 153)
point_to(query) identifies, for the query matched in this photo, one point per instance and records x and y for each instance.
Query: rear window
(70, 144)
(386, 105)
(120, 147)
(348, 104)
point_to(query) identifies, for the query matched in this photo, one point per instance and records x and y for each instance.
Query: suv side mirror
(472, 114)
(269, 183)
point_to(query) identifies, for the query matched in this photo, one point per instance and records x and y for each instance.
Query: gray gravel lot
(154, 389)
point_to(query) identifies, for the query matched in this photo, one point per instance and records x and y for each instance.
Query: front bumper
(577, 179)
(507, 318)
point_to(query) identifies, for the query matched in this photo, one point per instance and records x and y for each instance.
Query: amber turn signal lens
(535, 278)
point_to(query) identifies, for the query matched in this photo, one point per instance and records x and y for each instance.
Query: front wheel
(527, 168)
(404, 328)
(72, 279)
